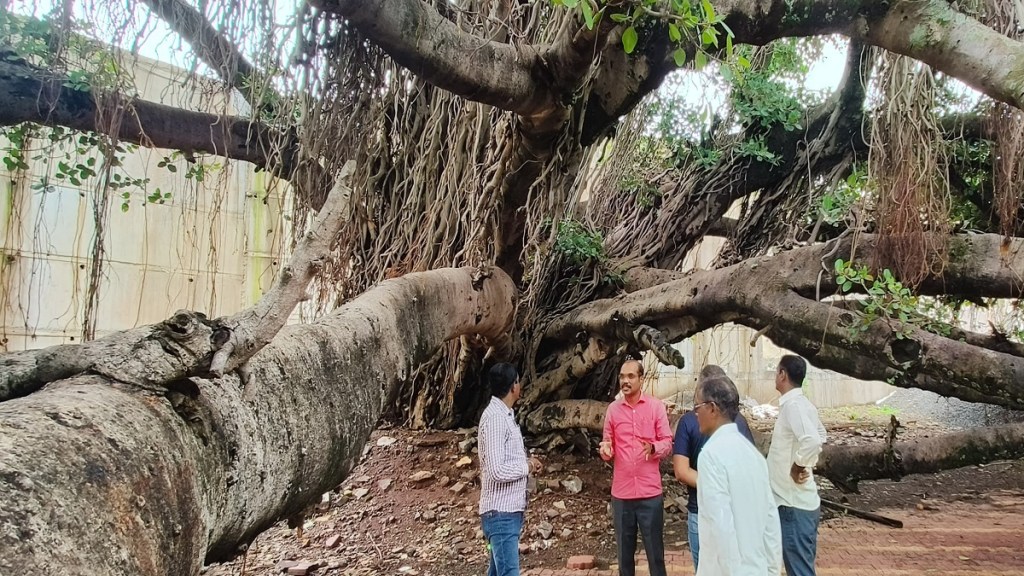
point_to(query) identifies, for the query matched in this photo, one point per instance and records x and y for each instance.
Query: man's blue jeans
(693, 537)
(502, 531)
(799, 539)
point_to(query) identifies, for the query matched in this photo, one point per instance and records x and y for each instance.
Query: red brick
(580, 562)
(302, 569)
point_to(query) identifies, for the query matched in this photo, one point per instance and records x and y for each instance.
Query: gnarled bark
(101, 477)
(776, 296)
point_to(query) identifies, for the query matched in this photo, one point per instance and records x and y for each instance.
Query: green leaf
(679, 55)
(674, 34)
(709, 37)
(847, 286)
(700, 60)
(588, 14)
(709, 10)
(124, 207)
(629, 39)
(743, 62)
(619, 17)
(728, 46)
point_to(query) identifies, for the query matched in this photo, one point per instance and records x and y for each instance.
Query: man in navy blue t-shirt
(686, 450)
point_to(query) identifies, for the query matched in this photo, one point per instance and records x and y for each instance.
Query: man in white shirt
(738, 518)
(796, 444)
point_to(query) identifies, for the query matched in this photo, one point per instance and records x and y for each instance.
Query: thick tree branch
(417, 37)
(212, 47)
(178, 477)
(761, 293)
(933, 32)
(848, 465)
(33, 95)
(254, 328)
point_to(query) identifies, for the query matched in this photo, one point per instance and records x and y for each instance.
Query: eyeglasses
(696, 406)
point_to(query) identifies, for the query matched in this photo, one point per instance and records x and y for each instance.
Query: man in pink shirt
(636, 437)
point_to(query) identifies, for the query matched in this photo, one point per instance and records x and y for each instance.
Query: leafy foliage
(579, 244)
(888, 298)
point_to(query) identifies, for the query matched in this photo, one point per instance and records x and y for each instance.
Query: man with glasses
(796, 443)
(636, 437)
(739, 522)
(686, 450)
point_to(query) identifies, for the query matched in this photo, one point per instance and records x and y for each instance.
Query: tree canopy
(547, 146)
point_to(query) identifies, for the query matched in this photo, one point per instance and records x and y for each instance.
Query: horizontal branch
(29, 94)
(762, 293)
(847, 465)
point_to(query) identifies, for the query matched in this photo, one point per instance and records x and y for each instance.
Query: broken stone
(360, 492)
(421, 476)
(333, 541)
(362, 479)
(467, 445)
(544, 529)
(573, 484)
(429, 516)
(524, 548)
(443, 481)
(552, 513)
(560, 505)
(458, 487)
(463, 462)
(385, 441)
(566, 532)
(468, 475)
(555, 468)
(463, 547)
(384, 484)
(550, 484)
(284, 565)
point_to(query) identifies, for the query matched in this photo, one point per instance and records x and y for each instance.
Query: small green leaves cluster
(579, 244)
(887, 298)
(835, 204)
(197, 171)
(689, 22)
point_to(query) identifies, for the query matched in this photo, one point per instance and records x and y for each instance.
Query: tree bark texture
(777, 295)
(104, 477)
(845, 466)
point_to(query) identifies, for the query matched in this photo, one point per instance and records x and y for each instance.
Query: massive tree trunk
(105, 477)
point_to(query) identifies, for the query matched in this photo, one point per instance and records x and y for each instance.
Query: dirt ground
(382, 521)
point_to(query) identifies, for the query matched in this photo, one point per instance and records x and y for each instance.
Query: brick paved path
(958, 539)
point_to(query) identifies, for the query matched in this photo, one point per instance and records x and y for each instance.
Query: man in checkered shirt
(504, 471)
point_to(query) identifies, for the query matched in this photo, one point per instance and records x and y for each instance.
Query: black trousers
(646, 515)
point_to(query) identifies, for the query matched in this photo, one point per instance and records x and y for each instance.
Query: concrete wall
(214, 246)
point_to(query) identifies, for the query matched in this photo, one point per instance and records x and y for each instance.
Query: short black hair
(710, 371)
(795, 368)
(723, 393)
(501, 377)
(639, 364)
